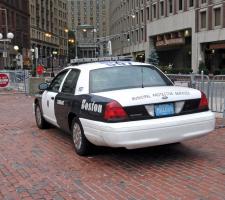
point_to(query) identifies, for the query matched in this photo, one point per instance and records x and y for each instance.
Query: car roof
(104, 64)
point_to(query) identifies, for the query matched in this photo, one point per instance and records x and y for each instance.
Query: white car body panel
(152, 132)
(151, 95)
(48, 106)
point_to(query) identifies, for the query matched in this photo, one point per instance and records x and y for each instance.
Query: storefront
(215, 57)
(174, 49)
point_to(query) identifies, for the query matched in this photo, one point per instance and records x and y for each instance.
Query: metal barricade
(181, 79)
(213, 88)
(217, 94)
(15, 80)
(197, 81)
(201, 82)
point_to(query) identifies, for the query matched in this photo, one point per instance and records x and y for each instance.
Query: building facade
(48, 25)
(184, 33)
(128, 28)
(88, 19)
(17, 22)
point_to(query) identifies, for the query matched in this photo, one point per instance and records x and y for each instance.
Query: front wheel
(40, 121)
(81, 144)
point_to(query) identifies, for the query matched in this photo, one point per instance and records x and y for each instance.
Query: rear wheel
(40, 121)
(81, 144)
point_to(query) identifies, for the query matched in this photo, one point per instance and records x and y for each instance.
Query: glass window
(142, 34)
(191, 3)
(125, 77)
(203, 19)
(204, 1)
(180, 4)
(148, 16)
(217, 16)
(69, 84)
(154, 11)
(161, 8)
(142, 15)
(55, 84)
(170, 6)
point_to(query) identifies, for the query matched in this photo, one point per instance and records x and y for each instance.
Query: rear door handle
(52, 98)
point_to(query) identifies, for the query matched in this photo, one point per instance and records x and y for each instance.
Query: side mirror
(43, 86)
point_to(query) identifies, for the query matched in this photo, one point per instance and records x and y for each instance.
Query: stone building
(17, 22)
(88, 19)
(185, 33)
(48, 25)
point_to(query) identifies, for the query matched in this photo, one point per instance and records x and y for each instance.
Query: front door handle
(52, 98)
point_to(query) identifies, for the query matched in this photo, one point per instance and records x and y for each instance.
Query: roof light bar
(87, 60)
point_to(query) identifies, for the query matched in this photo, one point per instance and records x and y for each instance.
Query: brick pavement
(42, 164)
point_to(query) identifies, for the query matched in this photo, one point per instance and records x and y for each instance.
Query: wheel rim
(38, 115)
(77, 136)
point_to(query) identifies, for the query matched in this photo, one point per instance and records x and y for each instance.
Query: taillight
(114, 111)
(203, 105)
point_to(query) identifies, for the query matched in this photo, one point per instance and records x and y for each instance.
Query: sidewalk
(42, 164)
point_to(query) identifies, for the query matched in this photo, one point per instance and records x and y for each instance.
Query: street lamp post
(72, 41)
(52, 72)
(54, 53)
(75, 42)
(1, 36)
(16, 48)
(94, 32)
(9, 36)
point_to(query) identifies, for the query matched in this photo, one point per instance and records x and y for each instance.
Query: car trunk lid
(151, 95)
(156, 102)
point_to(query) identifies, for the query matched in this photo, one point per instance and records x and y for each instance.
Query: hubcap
(77, 137)
(38, 115)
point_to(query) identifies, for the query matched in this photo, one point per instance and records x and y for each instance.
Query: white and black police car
(121, 104)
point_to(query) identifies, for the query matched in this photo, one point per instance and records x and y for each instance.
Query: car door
(66, 99)
(48, 97)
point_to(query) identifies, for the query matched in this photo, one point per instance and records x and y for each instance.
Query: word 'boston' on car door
(65, 99)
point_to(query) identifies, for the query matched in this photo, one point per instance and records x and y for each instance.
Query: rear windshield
(125, 77)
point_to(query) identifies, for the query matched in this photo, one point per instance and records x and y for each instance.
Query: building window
(137, 36)
(162, 9)
(154, 11)
(148, 16)
(137, 20)
(180, 5)
(217, 16)
(142, 34)
(203, 1)
(191, 3)
(142, 15)
(203, 19)
(132, 36)
(170, 6)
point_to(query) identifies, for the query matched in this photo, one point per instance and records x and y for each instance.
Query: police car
(121, 104)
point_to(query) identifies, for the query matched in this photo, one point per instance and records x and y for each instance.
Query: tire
(40, 121)
(81, 144)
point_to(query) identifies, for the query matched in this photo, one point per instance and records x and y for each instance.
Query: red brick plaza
(36, 164)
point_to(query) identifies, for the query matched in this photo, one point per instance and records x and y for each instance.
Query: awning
(217, 46)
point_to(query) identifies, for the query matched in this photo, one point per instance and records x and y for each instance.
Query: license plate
(164, 110)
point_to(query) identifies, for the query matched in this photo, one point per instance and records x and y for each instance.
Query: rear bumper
(145, 133)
